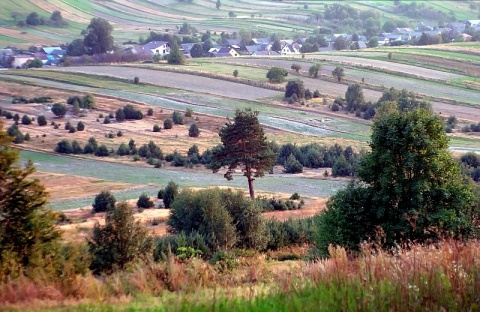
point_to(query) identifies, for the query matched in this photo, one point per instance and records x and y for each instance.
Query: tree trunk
(250, 187)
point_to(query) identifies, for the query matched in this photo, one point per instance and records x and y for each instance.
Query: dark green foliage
(156, 128)
(295, 87)
(292, 165)
(98, 38)
(102, 151)
(36, 63)
(314, 69)
(354, 97)
(41, 120)
(136, 80)
(342, 168)
(123, 150)
(59, 109)
(7, 114)
(175, 56)
(16, 118)
(348, 220)
(64, 147)
(193, 131)
(104, 201)
(188, 112)
(414, 190)
(235, 73)
(120, 115)
(274, 204)
(80, 126)
(91, 146)
(76, 48)
(244, 145)
(17, 135)
(177, 118)
(293, 232)
(196, 50)
(106, 120)
(171, 191)
(26, 120)
(150, 112)
(193, 240)
(335, 107)
(129, 113)
(28, 237)
(277, 74)
(150, 150)
(71, 129)
(338, 73)
(144, 201)
(87, 101)
(167, 124)
(76, 148)
(120, 242)
(224, 218)
(33, 19)
(27, 136)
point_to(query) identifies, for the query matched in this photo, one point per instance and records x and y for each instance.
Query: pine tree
(245, 146)
(28, 237)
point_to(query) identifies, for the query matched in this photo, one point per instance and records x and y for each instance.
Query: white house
(290, 49)
(20, 60)
(152, 48)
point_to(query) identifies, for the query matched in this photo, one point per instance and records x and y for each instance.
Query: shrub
(335, 107)
(64, 147)
(189, 112)
(120, 242)
(177, 118)
(27, 136)
(59, 109)
(295, 196)
(171, 191)
(150, 112)
(193, 131)
(14, 132)
(235, 73)
(42, 120)
(104, 201)
(119, 133)
(296, 67)
(80, 126)
(76, 148)
(102, 151)
(277, 75)
(72, 130)
(26, 120)
(136, 80)
(144, 201)
(123, 150)
(120, 115)
(308, 94)
(313, 70)
(156, 128)
(295, 87)
(167, 124)
(131, 113)
(106, 120)
(316, 94)
(292, 165)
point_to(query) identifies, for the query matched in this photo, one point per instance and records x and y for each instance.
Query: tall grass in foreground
(445, 276)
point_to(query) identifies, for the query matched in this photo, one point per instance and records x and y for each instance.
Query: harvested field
(64, 186)
(176, 80)
(408, 69)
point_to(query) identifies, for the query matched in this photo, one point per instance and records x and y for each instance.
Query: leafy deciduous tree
(98, 38)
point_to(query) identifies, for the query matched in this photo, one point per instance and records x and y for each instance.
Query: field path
(177, 80)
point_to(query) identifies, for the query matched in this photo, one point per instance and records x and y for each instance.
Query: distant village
(454, 31)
